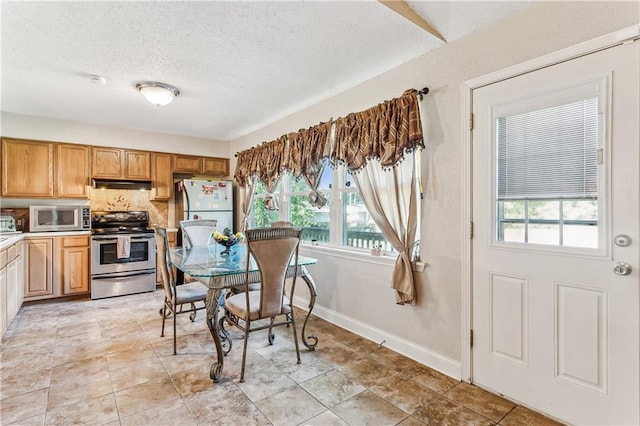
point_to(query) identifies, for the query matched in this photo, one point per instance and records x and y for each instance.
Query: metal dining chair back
(175, 297)
(273, 250)
(197, 232)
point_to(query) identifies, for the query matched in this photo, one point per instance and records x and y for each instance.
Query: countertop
(7, 240)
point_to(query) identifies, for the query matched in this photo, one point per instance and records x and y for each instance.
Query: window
(260, 216)
(343, 222)
(547, 174)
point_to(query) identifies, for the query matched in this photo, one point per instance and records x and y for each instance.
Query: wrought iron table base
(220, 337)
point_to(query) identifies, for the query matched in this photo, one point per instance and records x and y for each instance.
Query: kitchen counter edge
(11, 239)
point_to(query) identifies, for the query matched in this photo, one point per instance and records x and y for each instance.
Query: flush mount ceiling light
(159, 94)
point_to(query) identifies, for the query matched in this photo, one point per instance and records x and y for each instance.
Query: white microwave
(59, 218)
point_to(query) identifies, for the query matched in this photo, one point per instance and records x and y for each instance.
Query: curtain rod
(421, 93)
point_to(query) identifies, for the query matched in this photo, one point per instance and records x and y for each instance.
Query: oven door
(105, 260)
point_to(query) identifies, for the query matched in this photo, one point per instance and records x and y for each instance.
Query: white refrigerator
(207, 199)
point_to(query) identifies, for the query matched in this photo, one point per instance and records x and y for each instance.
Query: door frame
(622, 36)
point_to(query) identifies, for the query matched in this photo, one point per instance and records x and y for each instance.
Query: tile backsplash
(121, 199)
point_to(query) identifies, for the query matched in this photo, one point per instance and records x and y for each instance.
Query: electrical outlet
(418, 266)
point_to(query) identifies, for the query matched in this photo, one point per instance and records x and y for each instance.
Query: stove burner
(120, 222)
(122, 230)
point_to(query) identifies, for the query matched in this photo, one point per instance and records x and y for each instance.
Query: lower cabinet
(75, 265)
(39, 268)
(11, 283)
(3, 293)
(57, 266)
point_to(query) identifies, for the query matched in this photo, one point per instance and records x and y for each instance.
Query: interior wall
(357, 293)
(50, 129)
(39, 128)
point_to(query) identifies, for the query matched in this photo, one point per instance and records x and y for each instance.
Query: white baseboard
(409, 349)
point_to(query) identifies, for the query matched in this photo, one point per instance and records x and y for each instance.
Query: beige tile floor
(103, 362)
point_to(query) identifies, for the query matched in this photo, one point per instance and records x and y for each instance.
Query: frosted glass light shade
(159, 94)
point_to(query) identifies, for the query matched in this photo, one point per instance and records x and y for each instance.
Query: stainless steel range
(123, 254)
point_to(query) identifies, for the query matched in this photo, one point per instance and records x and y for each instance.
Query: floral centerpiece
(227, 239)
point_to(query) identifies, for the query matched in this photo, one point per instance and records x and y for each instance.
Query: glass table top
(206, 261)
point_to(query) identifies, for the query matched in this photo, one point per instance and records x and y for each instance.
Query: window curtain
(308, 148)
(390, 195)
(384, 132)
(271, 163)
(246, 195)
(373, 144)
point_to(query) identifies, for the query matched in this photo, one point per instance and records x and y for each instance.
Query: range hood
(135, 185)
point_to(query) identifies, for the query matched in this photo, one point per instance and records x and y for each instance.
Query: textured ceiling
(239, 65)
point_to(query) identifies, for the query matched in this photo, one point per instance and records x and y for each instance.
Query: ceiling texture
(239, 65)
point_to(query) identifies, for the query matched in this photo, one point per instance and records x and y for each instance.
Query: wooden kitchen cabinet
(186, 163)
(39, 268)
(118, 163)
(27, 168)
(215, 166)
(191, 164)
(3, 292)
(137, 165)
(11, 284)
(15, 281)
(57, 266)
(74, 262)
(72, 171)
(106, 163)
(161, 176)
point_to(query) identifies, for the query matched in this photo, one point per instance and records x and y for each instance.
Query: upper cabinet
(162, 176)
(116, 163)
(215, 166)
(106, 162)
(35, 169)
(192, 164)
(27, 168)
(186, 163)
(72, 171)
(41, 169)
(137, 165)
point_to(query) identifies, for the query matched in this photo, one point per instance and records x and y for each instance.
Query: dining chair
(197, 232)
(176, 296)
(281, 224)
(272, 249)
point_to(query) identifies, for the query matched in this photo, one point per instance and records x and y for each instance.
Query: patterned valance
(385, 132)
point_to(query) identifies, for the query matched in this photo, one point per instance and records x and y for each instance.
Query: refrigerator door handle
(186, 195)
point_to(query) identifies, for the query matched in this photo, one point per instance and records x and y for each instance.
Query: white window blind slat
(549, 153)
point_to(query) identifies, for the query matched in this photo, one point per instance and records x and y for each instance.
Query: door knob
(622, 268)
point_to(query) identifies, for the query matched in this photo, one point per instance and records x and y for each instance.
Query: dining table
(219, 273)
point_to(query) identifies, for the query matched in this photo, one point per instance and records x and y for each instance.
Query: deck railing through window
(357, 239)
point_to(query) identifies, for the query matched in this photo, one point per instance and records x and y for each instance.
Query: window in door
(547, 170)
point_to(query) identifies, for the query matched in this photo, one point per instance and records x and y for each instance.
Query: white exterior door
(555, 211)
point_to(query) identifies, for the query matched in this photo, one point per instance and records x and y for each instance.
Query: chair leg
(247, 326)
(271, 337)
(163, 312)
(295, 335)
(174, 329)
(194, 312)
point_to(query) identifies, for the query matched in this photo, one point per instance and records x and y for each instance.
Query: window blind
(550, 153)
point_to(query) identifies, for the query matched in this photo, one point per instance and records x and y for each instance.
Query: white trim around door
(617, 38)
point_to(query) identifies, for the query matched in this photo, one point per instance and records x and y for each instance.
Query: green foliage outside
(359, 230)
(301, 213)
